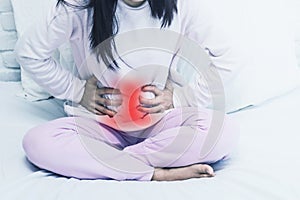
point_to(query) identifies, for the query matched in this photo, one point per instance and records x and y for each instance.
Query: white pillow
(26, 12)
(264, 45)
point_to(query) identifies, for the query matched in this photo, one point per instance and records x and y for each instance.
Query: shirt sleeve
(34, 53)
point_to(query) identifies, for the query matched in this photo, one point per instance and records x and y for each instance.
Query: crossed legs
(83, 148)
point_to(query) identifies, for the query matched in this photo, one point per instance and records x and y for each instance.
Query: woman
(165, 150)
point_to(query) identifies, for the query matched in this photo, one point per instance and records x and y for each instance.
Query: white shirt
(195, 20)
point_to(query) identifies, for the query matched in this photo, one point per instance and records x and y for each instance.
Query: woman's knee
(33, 143)
(224, 142)
(231, 133)
(39, 141)
(205, 120)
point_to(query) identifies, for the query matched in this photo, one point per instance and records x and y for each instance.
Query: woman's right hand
(94, 101)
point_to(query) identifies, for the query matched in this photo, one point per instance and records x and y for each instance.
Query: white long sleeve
(34, 52)
(196, 19)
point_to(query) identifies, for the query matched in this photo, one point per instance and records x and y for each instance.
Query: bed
(265, 164)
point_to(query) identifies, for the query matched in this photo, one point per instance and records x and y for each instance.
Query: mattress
(265, 164)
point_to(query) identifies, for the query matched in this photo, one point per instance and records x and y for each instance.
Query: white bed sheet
(265, 166)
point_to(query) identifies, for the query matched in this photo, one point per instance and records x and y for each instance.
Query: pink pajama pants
(85, 149)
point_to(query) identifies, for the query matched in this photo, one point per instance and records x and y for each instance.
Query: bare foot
(183, 173)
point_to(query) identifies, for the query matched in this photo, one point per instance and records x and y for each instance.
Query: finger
(152, 88)
(97, 112)
(169, 85)
(151, 102)
(93, 110)
(104, 110)
(106, 90)
(93, 80)
(156, 109)
(109, 102)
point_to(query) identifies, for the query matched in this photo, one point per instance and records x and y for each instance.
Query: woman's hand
(163, 99)
(93, 98)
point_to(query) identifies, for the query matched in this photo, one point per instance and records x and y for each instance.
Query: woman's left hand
(163, 99)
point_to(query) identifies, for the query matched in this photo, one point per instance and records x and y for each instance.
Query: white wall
(9, 68)
(297, 12)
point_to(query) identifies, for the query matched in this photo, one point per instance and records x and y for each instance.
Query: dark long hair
(105, 24)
